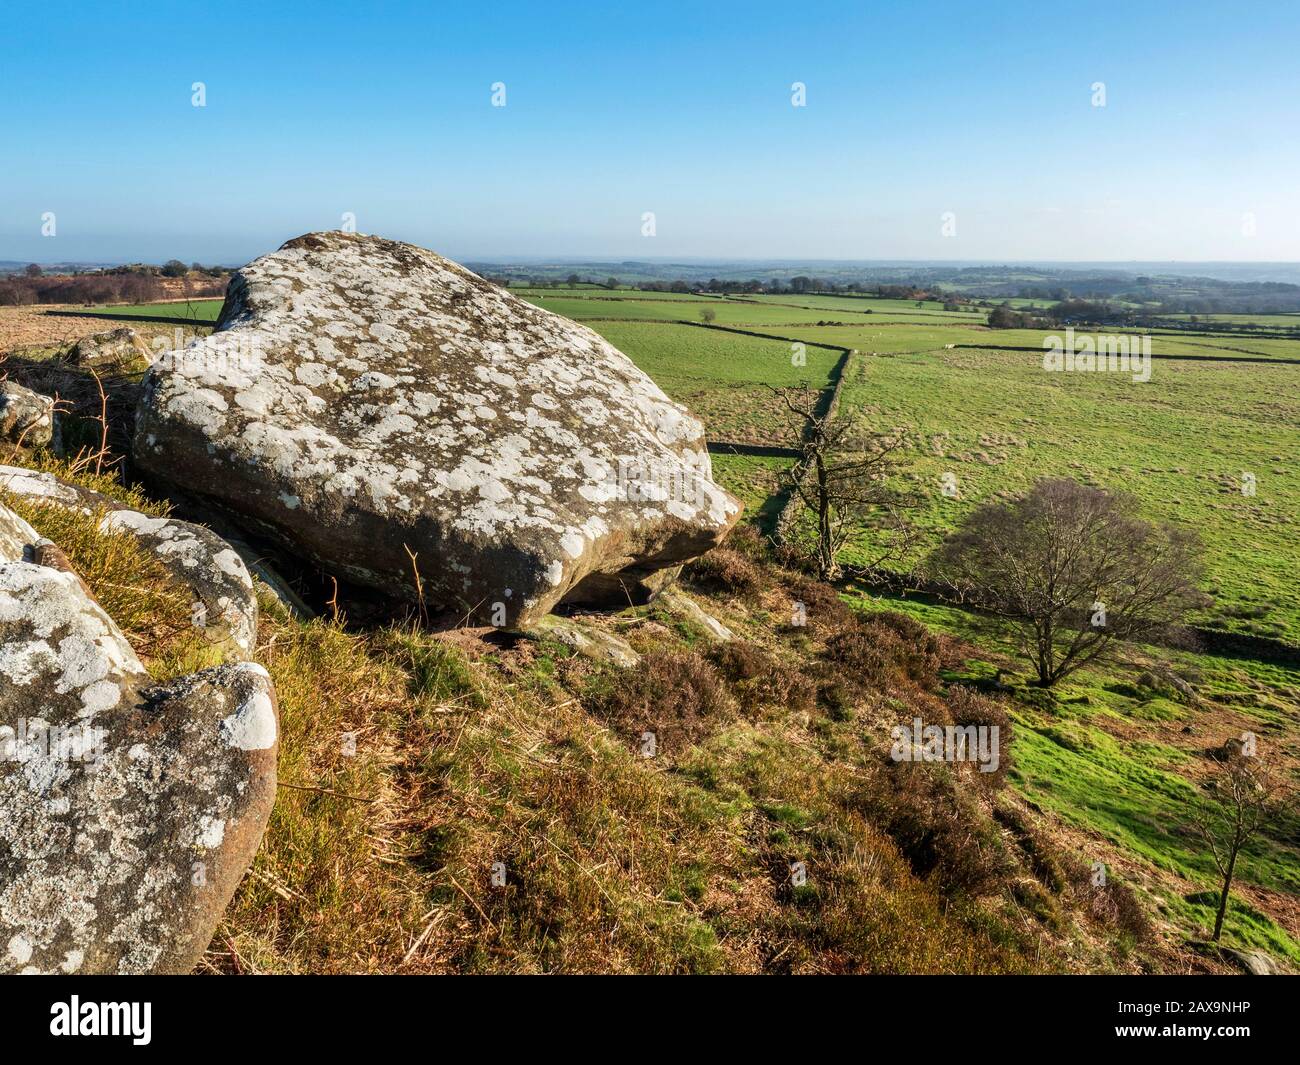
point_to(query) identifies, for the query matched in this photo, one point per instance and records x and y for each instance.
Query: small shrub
(1111, 903)
(945, 836)
(761, 677)
(678, 696)
(824, 609)
(838, 700)
(970, 708)
(862, 657)
(724, 570)
(746, 540)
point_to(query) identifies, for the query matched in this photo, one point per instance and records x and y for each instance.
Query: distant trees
(1075, 568)
(32, 270)
(844, 480)
(708, 314)
(573, 280)
(174, 268)
(1082, 311)
(1003, 317)
(1244, 795)
(118, 285)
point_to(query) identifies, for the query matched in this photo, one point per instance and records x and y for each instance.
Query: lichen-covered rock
(588, 640)
(1251, 962)
(26, 417)
(675, 602)
(112, 350)
(128, 811)
(366, 401)
(224, 603)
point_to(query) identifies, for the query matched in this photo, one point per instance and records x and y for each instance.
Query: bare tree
(1244, 795)
(1076, 568)
(843, 479)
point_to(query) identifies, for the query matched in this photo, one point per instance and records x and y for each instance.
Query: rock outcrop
(112, 350)
(383, 410)
(26, 417)
(224, 603)
(129, 811)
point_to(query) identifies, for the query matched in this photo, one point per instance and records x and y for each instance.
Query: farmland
(975, 407)
(725, 378)
(196, 310)
(1181, 441)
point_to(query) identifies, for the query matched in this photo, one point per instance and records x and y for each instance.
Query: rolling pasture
(197, 310)
(993, 416)
(724, 378)
(1181, 441)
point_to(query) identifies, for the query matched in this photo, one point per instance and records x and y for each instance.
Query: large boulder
(26, 417)
(384, 410)
(223, 600)
(129, 811)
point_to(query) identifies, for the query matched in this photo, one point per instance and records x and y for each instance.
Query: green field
(725, 312)
(1264, 322)
(754, 480)
(1180, 441)
(197, 310)
(723, 377)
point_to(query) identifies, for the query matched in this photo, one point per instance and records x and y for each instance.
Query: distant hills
(1167, 287)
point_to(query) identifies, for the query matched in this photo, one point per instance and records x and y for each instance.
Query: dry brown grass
(128, 581)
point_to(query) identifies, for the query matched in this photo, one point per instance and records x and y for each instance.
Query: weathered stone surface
(588, 640)
(128, 811)
(675, 602)
(26, 417)
(225, 603)
(362, 398)
(1251, 962)
(111, 350)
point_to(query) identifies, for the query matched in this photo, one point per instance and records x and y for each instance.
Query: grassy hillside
(469, 801)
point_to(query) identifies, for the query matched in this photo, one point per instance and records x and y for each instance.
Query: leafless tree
(1076, 568)
(844, 480)
(1244, 794)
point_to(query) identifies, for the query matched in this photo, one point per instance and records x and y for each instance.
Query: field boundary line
(1280, 360)
(772, 451)
(154, 319)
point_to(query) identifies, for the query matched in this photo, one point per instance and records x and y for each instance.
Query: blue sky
(612, 110)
